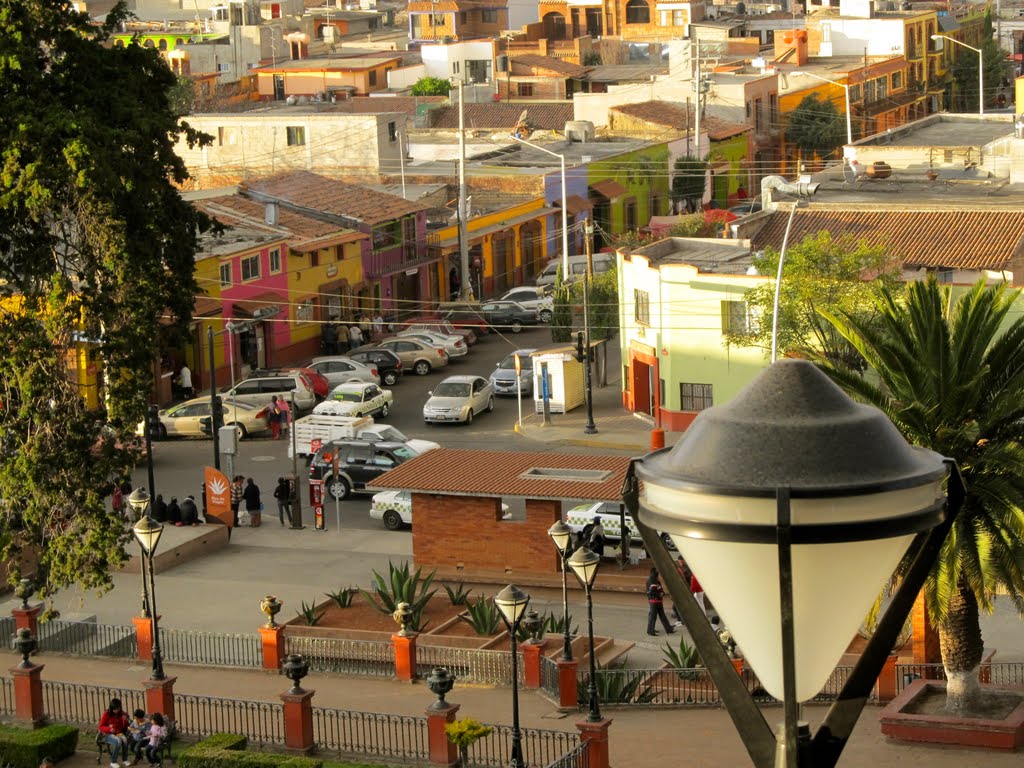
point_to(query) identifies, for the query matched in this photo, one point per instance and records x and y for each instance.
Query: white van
(577, 267)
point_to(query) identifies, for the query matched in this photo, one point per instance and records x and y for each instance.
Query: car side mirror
(430, 393)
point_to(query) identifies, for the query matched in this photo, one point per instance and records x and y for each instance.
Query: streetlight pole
(846, 92)
(584, 564)
(981, 68)
(512, 602)
(138, 500)
(561, 534)
(147, 531)
(296, 501)
(565, 204)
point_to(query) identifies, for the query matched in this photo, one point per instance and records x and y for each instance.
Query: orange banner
(218, 496)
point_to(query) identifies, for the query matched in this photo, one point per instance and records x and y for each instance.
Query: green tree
(96, 247)
(689, 177)
(950, 375)
(821, 273)
(567, 312)
(431, 86)
(816, 126)
(998, 69)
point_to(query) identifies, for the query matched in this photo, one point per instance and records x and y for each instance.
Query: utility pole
(214, 400)
(467, 288)
(589, 428)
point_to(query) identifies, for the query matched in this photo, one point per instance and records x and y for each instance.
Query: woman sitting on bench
(114, 728)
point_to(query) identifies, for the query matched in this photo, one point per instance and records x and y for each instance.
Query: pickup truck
(328, 428)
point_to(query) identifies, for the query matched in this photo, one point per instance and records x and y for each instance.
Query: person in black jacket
(253, 503)
(283, 494)
(189, 511)
(174, 512)
(656, 605)
(160, 509)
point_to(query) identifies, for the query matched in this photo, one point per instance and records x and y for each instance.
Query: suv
(508, 314)
(533, 297)
(360, 462)
(258, 389)
(388, 364)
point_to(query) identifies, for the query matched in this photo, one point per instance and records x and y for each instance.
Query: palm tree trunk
(962, 650)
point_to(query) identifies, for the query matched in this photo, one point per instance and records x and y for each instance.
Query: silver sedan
(458, 399)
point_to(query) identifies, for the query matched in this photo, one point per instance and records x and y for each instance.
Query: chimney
(270, 214)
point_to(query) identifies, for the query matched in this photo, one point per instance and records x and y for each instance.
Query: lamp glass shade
(560, 533)
(147, 531)
(512, 602)
(138, 500)
(584, 564)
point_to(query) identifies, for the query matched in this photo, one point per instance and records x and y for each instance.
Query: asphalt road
(178, 464)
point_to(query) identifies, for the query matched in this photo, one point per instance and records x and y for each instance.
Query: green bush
(402, 586)
(483, 616)
(227, 750)
(26, 748)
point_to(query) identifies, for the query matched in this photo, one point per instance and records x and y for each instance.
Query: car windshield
(509, 363)
(404, 453)
(451, 389)
(348, 397)
(392, 434)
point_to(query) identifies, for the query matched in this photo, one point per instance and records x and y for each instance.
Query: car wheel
(240, 433)
(667, 541)
(390, 378)
(339, 489)
(384, 410)
(422, 367)
(469, 416)
(490, 404)
(545, 316)
(392, 520)
(516, 326)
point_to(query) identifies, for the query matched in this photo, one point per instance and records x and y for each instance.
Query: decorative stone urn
(271, 606)
(440, 682)
(403, 617)
(295, 668)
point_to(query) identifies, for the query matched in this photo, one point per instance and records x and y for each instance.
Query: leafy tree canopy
(821, 273)
(96, 246)
(998, 69)
(567, 312)
(816, 126)
(431, 86)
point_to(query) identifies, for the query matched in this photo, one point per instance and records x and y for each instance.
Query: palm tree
(950, 375)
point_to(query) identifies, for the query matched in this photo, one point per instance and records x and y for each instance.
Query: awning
(261, 306)
(609, 189)
(205, 306)
(574, 204)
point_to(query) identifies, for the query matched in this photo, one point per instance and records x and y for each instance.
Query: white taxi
(395, 509)
(357, 398)
(608, 512)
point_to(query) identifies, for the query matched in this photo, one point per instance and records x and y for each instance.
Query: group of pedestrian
(174, 513)
(334, 338)
(279, 414)
(140, 735)
(656, 598)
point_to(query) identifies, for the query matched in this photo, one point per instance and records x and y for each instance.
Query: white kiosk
(565, 384)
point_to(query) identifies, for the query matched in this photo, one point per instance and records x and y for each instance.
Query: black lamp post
(584, 564)
(583, 356)
(512, 602)
(139, 502)
(561, 534)
(793, 503)
(147, 531)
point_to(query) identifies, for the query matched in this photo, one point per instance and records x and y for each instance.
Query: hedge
(227, 750)
(26, 748)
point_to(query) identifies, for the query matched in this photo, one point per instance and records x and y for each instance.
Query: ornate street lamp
(512, 602)
(794, 505)
(147, 531)
(138, 500)
(561, 534)
(584, 564)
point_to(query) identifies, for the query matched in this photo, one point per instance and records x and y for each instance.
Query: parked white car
(459, 399)
(454, 346)
(533, 297)
(357, 399)
(608, 512)
(395, 509)
(338, 369)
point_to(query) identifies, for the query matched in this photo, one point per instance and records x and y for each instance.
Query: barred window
(642, 306)
(695, 397)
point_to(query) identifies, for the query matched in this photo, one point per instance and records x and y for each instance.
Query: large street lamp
(512, 602)
(794, 505)
(846, 91)
(584, 564)
(561, 534)
(138, 500)
(981, 69)
(565, 202)
(147, 532)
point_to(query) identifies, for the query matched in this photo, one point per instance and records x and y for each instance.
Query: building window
(437, 20)
(225, 275)
(638, 12)
(629, 211)
(678, 18)
(250, 267)
(392, 131)
(897, 80)
(641, 307)
(826, 33)
(695, 397)
(455, 67)
(854, 93)
(275, 260)
(296, 135)
(304, 312)
(489, 16)
(525, 89)
(373, 77)
(735, 317)
(227, 136)
(462, 17)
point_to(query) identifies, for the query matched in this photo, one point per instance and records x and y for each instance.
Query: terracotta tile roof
(409, 105)
(551, 64)
(545, 117)
(318, 194)
(432, 6)
(957, 239)
(675, 115)
(453, 472)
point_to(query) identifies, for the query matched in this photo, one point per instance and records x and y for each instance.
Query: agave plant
(555, 625)
(402, 586)
(683, 659)
(618, 685)
(309, 614)
(343, 597)
(459, 595)
(483, 616)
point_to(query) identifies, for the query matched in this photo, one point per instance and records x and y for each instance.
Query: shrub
(683, 659)
(25, 748)
(484, 617)
(459, 595)
(343, 597)
(402, 586)
(618, 686)
(464, 733)
(308, 614)
(227, 750)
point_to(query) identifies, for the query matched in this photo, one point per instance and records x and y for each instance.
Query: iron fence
(1005, 672)
(211, 648)
(87, 638)
(7, 627)
(6, 696)
(540, 747)
(908, 673)
(469, 665)
(353, 657)
(83, 704)
(347, 732)
(577, 757)
(549, 676)
(994, 672)
(262, 722)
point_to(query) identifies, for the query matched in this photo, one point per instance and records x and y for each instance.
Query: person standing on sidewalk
(286, 417)
(274, 417)
(283, 494)
(656, 605)
(236, 497)
(253, 503)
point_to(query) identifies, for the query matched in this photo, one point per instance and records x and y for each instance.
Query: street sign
(315, 444)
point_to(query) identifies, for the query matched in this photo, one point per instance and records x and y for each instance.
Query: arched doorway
(554, 26)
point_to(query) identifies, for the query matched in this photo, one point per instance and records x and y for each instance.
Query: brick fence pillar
(405, 656)
(298, 719)
(531, 663)
(144, 637)
(657, 438)
(27, 618)
(567, 698)
(886, 686)
(926, 637)
(442, 751)
(28, 693)
(272, 643)
(596, 734)
(160, 696)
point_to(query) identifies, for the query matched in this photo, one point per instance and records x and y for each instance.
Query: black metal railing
(262, 722)
(908, 673)
(185, 646)
(83, 704)
(549, 681)
(375, 658)
(87, 638)
(540, 747)
(393, 737)
(994, 672)
(469, 665)
(6, 696)
(577, 757)
(7, 628)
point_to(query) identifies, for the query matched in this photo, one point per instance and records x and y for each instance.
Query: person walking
(698, 592)
(185, 382)
(114, 729)
(253, 503)
(355, 336)
(656, 605)
(274, 417)
(286, 416)
(684, 573)
(117, 499)
(283, 494)
(236, 498)
(596, 541)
